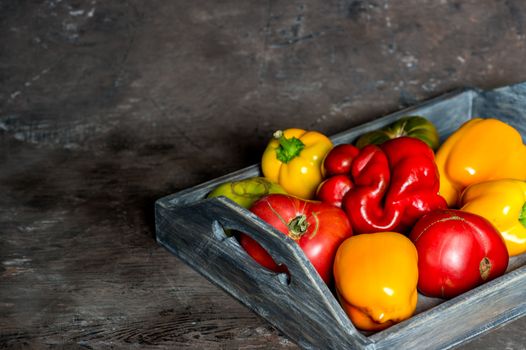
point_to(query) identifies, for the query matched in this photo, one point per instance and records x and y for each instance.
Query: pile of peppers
(389, 190)
(394, 184)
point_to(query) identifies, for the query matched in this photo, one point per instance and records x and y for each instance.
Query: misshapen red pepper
(394, 185)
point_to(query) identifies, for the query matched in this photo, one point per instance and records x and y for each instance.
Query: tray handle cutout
(220, 233)
(301, 306)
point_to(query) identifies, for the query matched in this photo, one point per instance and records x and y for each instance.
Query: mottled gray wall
(194, 76)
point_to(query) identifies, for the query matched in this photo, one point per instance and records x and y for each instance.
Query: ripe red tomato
(457, 251)
(338, 160)
(317, 227)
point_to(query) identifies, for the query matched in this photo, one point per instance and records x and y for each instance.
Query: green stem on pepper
(522, 216)
(288, 149)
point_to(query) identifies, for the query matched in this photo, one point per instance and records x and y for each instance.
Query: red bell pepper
(336, 170)
(394, 184)
(338, 160)
(333, 189)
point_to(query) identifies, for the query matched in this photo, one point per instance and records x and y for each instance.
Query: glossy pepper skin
(480, 150)
(394, 184)
(376, 279)
(503, 203)
(336, 170)
(293, 159)
(333, 189)
(338, 160)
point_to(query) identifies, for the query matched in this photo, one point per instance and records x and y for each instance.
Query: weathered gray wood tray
(303, 307)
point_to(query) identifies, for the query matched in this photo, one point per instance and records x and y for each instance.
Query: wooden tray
(304, 308)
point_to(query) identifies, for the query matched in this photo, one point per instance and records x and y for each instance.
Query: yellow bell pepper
(294, 159)
(503, 203)
(376, 278)
(480, 150)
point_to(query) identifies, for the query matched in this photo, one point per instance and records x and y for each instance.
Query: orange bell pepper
(480, 150)
(376, 278)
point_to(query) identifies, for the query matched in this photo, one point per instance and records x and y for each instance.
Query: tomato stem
(485, 268)
(298, 226)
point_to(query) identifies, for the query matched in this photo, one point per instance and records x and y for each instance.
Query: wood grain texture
(106, 106)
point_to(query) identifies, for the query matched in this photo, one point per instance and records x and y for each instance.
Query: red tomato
(338, 160)
(457, 251)
(333, 189)
(317, 227)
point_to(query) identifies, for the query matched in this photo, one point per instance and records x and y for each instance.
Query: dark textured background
(106, 106)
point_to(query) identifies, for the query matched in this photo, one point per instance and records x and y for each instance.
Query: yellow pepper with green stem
(503, 203)
(480, 150)
(294, 159)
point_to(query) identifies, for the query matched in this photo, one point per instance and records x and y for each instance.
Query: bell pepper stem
(288, 149)
(522, 216)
